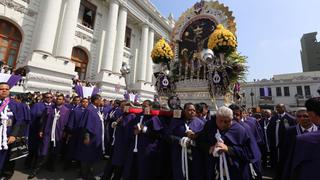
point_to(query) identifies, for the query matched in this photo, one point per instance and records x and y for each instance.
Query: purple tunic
(91, 124)
(17, 119)
(255, 151)
(236, 139)
(148, 148)
(47, 127)
(36, 112)
(120, 148)
(74, 130)
(306, 158)
(178, 129)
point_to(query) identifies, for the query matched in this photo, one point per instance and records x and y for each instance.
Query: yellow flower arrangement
(222, 40)
(162, 52)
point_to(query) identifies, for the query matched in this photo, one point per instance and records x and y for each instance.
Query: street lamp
(297, 99)
(251, 94)
(125, 71)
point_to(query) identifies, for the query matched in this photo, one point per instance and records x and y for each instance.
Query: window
(299, 91)
(307, 91)
(265, 91)
(80, 58)
(87, 14)
(286, 91)
(127, 40)
(10, 39)
(278, 91)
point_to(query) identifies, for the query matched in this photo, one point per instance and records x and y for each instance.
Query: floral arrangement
(236, 68)
(222, 41)
(162, 52)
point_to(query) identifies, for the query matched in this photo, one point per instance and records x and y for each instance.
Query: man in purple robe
(304, 126)
(112, 113)
(251, 128)
(119, 144)
(74, 131)
(12, 126)
(51, 132)
(91, 144)
(306, 157)
(75, 103)
(185, 155)
(36, 113)
(144, 135)
(228, 147)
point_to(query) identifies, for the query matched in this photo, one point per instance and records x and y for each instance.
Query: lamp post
(251, 94)
(125, 71)
(297, 99)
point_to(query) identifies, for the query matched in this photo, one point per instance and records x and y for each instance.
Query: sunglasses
(48, 97)
(302, 116)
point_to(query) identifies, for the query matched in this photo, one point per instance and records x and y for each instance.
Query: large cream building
(56, 40)
(290, 89)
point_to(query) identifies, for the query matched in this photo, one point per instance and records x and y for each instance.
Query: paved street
(72, 174)
(59, 174)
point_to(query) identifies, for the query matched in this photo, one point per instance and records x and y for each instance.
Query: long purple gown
(195, 166)
(306, 158)
(238, 142)
(36, 112)
(74, 130)
(140, 164)
(90, 123)
(120, 148)
(17, 119)
(47, 127)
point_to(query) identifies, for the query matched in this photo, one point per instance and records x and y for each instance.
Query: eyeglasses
(302, 116)
(48, 97)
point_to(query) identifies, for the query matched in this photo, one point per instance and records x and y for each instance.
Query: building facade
(290, 89)
(59, 40)
(310, 52)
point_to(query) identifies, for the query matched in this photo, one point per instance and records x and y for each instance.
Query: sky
(268, 31)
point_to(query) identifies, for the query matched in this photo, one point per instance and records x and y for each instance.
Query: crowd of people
(139, 143)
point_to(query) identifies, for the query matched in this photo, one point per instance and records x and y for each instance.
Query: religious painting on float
(205, 65)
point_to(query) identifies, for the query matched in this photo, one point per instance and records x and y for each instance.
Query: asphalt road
(72, 174)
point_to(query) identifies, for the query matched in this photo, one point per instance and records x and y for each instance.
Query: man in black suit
(265, 148)
(279, 123)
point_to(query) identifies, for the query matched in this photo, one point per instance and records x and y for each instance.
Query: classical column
(68, 28)
(121, 31)
(47, 24)
(142, 65)
(149, 60)
(111, 34)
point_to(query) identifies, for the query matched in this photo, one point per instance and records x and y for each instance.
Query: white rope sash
(100, 114)
(223, 166)
(54, 126)
(136, 138)
(3, 129)
(184, 154)
(114, 124)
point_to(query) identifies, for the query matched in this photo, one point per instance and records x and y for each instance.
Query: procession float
(200, 62)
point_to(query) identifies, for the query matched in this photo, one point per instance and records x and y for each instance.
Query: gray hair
(267, 110)
(302, 109)
(225, 112)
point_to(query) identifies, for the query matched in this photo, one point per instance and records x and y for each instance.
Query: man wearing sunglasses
(36, 113)
(304, 126)
(306, 157)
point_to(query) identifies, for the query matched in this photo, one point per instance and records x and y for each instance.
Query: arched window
(80, 58)
(10, 39)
